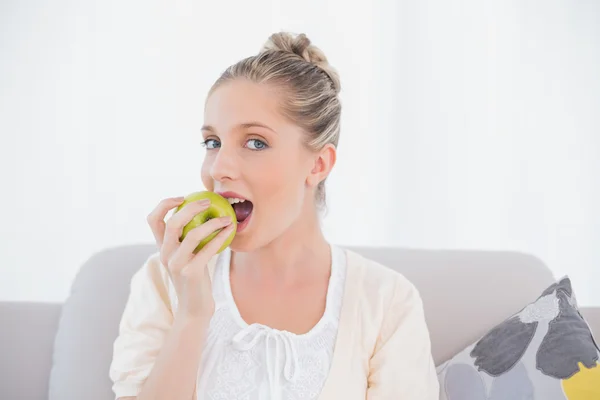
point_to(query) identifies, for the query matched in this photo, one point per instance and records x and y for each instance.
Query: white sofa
(63, 351)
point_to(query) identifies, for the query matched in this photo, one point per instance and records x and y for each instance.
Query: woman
(281, 313)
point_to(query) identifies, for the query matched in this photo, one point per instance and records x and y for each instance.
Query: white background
(470, 125)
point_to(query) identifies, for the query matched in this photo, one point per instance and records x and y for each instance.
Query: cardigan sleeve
(402, 365)
(144, 325)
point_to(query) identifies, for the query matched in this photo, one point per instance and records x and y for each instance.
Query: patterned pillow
(544, 352)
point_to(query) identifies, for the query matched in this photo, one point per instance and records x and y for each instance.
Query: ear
(322, 166)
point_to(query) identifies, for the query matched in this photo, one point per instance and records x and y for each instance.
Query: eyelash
(205, 143)
(265, 145)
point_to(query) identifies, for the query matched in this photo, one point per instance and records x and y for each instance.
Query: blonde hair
(310, 84)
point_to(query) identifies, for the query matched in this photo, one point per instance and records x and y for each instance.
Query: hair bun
(302, 47)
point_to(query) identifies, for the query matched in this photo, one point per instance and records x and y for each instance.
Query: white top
(252, 362)
(382, 350)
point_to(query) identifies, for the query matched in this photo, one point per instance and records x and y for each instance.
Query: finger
(211, 248)
(156, 219)
(175, 224)
(196, 235)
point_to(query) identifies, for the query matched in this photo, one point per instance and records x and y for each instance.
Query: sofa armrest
(26, 342)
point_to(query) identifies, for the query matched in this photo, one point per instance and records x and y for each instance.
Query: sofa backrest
(465, 293)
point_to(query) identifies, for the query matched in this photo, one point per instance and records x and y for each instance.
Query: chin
(239, 248)
(250, 239)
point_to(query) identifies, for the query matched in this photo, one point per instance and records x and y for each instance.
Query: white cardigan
(382, 350)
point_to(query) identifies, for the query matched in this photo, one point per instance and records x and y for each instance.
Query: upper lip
(229, 195)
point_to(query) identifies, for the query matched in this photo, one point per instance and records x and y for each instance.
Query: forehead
(239, 101)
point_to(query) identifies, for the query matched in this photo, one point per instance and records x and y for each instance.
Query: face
(256, 154)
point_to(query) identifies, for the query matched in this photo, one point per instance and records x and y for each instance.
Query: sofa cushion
(544, 352)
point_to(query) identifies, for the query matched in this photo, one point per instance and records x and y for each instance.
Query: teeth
(233, 200)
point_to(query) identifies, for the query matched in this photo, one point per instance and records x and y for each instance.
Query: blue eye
(211, 144)
(255, 144)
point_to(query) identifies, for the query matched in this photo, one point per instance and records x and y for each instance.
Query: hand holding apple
(188, 273)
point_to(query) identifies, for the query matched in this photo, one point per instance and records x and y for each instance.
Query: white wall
(474, 126)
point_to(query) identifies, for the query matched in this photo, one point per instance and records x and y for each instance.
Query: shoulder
(377, 281)
(384, 299)
(387, 304)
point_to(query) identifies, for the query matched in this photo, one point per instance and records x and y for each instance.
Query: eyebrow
(245, 125)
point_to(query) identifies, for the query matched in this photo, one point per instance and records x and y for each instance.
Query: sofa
(63, 351)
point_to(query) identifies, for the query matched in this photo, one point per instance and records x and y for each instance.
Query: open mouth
(242, 207)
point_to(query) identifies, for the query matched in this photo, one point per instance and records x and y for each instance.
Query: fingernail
(226, 220)
(203, 202)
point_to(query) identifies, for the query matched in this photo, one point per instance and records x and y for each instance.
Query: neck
(301, 251)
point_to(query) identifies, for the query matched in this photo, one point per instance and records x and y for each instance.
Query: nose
(225, 165)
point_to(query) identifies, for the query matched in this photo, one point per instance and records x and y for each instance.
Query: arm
(156, 354)
(402, 366)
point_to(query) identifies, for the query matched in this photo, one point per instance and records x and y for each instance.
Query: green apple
(219, 207)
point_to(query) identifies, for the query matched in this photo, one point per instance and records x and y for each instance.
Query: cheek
(281, 184)
(205, 174)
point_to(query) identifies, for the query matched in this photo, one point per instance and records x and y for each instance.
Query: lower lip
(242, 225)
